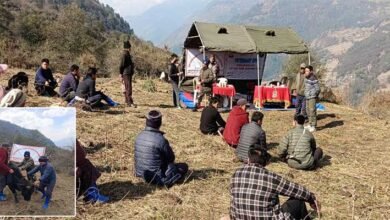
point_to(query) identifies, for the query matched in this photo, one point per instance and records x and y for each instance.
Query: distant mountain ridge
(11, 133)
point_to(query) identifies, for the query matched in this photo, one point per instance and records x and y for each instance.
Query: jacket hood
(237, 110)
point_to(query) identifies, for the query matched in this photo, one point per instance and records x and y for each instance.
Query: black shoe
(194, 110)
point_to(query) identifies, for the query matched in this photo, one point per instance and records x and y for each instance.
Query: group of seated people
(71, 89)
(251, 197)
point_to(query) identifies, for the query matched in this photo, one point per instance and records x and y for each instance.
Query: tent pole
(308, 54)
(204, 53)
(258, 70)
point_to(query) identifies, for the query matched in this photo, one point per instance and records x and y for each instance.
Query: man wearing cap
(126, 71)
(300, 91)
(47, 181)
(237, 118)
(27, 164)
(4, 169)
(206, 79)
(154, 157)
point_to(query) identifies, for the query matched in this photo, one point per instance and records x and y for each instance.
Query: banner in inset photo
(17, 153)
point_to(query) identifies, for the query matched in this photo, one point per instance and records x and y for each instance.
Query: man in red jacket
(238, 117)
(4, 169)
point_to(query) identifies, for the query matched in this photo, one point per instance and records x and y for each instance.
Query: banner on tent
(17, 153)
(232, 65)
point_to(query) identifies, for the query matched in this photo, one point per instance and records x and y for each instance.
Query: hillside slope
(349, 183)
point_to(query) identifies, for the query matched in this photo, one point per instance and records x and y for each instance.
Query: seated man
(4, 169)
(27, 164)
(69, 84)
(211, 121)
(47, 181)
(154, 158)
(44, 80)
(251, 135)
(237, 118)
(14, 94)
(87, 175)
(87, 90)
(299, 148)
(255, 192)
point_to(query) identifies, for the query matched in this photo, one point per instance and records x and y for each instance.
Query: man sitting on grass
(154, 157)
(299, 147)
(255, 192)
(211, 121)
(251, 135)
(44, 80)
(237, 118)
(87, 175)
(87, 90)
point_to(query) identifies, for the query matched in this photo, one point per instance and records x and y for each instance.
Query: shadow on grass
(203, 174)
(125, 190)
(272, 145)
(332, 124)
(325, 161)
(158, 106)
(93, 148)
(324, 116)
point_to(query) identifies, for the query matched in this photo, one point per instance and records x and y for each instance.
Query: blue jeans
(301, 106)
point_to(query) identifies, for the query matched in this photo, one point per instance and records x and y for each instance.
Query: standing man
(214, 66)
(174, 76)
(206, 79)
(300, 91)
(70, 83)
(27, 164)
(44, 80)
(255, 192)
(47, 181)
(4, 169)
(312, 90)
(126, 70)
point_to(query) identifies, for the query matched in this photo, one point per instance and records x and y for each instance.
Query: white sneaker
(312, 129)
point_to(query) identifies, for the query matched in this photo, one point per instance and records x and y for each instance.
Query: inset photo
(37, 162)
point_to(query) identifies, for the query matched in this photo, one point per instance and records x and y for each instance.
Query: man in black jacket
(87, 90)
(154, 157)
(174, 75)
(126, 71)
(211, 121)
(251, 135)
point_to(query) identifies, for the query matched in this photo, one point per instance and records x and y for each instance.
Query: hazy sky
(57, 124)
(131, 7)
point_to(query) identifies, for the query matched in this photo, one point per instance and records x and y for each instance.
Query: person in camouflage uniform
(27, 164)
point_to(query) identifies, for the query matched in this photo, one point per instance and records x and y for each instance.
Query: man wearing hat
(237, 118)
(4, 169)
(300, 92)
(47, 181)
(206, 79)
(154, 157)
(27, 164)
(126, 71)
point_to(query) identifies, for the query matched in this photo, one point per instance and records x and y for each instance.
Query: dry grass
(352, 184)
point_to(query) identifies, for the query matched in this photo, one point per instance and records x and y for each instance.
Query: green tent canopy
(244, 39)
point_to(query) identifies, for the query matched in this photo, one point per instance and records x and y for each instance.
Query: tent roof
(244, 39)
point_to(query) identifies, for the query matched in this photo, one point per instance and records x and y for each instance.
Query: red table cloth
(264, 94)
(229, 90)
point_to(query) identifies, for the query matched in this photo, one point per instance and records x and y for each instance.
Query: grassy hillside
(84, 32)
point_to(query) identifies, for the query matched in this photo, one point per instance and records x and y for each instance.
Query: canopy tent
(244, 39)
